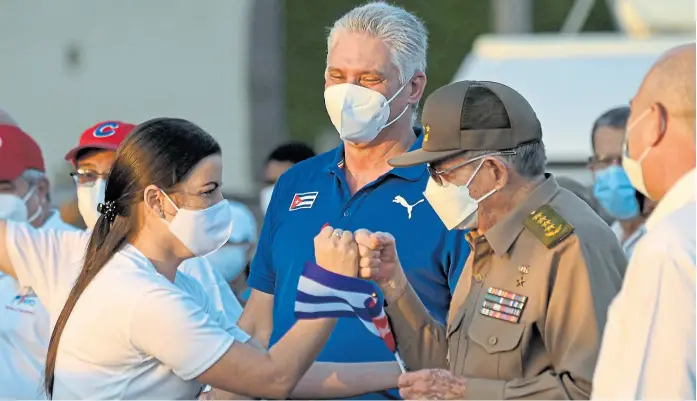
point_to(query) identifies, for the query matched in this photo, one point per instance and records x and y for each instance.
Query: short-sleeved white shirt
(24, 333)
(202, 332)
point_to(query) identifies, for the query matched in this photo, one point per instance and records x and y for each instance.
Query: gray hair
(401, 31)
(529, 160)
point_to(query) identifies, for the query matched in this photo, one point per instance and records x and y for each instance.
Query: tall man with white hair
(374, 79)
(528, 313)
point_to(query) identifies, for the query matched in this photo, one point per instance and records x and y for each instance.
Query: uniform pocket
(495, 335)
(496, 351)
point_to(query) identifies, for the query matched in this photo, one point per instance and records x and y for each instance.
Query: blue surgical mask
(615, 193)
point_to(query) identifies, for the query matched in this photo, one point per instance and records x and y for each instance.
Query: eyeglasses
(437, 175)
(86, 177)
(600, 162)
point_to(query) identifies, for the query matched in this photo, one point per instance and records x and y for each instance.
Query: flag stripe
(309, 288)
(362, 314)
(325, 314)
(337, 281)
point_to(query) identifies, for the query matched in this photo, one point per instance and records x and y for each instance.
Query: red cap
(106, 135)
(18, 153)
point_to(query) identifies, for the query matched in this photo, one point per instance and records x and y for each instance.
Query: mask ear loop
(162, 213)
(646, 151)
(26, 198)
(390, 101)
(488, 194)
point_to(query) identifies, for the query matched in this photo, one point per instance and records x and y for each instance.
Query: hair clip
(108, 210)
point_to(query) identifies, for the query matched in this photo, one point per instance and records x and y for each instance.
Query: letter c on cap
(105, 130)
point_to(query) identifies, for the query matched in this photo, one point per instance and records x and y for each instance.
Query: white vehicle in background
(570, 79)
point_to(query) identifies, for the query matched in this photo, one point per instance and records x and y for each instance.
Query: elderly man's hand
(432, 384)
(379, 262)
(336, 251)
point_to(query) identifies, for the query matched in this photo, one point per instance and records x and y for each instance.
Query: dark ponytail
(160, 152)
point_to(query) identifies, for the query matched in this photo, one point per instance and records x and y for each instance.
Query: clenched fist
(336, 251)
(379, 262)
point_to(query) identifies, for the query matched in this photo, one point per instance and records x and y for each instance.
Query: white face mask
(14, 208)
(633, 167)
(265, 198)
(453, 204)
(358, 113)
(88, 197)
(202, 231)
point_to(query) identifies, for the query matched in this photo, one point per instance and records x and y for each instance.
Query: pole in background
(512, 16)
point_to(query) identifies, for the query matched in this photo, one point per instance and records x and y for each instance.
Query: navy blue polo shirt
(315, 192)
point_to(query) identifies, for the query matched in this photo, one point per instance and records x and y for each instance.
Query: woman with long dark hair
(132, 327)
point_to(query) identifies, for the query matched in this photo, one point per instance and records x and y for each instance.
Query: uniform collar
(413, 173)
(502, 235)
(678, 196)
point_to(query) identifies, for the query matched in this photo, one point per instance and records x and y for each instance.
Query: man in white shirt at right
(648, 349)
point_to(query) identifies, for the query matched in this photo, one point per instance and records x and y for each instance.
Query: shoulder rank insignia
(548, 226)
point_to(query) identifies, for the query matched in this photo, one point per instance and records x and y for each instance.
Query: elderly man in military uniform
(527, 315)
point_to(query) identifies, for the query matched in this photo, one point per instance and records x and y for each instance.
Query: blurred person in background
(279, 161)
(612, 187)
(24, 188)
(648, 350)
(586, 194)
(232, 260)
(24, 325)
(374, 80)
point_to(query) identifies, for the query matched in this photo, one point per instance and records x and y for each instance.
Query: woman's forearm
(328, 380)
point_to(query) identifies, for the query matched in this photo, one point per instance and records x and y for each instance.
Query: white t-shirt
(49, 261)
(24, 333)
(214, 284)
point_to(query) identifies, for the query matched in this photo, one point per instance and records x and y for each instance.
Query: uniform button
(493, 340)
(347, 213)
(478, 277)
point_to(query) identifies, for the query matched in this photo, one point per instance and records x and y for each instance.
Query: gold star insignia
(520, 281)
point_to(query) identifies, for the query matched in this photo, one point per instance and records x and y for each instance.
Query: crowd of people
(500, 280)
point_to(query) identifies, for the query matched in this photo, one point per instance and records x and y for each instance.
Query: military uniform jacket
(527, 315)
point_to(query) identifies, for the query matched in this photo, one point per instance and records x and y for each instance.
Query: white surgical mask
(265, 198)
(358, 113)
(88, 197)
(14, 208)
(202, 231)
(633, 167)
(453, 204)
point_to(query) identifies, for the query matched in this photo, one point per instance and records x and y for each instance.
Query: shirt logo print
(403, 202)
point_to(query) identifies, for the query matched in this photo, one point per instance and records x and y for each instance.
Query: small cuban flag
(324, 294)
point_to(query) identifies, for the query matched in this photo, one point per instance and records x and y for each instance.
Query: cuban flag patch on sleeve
(303, 201)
